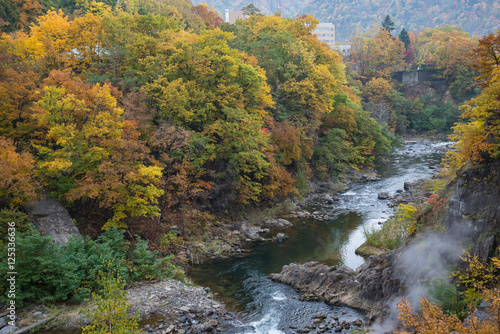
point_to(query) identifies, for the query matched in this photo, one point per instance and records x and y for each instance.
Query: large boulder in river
(383, 195)
(276, 223)
(369, 289)
(52, 219)
(281, 237)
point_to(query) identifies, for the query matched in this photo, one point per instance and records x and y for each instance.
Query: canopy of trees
(132, 120)
(377, 55)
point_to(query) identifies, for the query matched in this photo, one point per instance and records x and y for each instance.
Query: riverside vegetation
(155, 125)
(452, 304)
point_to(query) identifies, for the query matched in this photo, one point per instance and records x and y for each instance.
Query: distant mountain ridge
(288, 8)
(475, 16)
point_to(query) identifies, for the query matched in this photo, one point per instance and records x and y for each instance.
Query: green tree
(195, 77)
(404, 37)
(388, 24)
(303, 75)
(250, 10)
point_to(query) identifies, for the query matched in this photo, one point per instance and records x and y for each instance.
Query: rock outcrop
(52, 219)
(476, 204)
(370, 288)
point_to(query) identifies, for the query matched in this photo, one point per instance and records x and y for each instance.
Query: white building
(231, 17)
(343, 49)
(326, 33)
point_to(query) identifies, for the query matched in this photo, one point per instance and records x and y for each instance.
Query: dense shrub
(44, 271)
(23, 222)
(47, 272)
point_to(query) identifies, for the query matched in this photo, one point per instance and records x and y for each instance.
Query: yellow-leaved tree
(108, 314)
(479, 138)
(17, 184)
(88, 153)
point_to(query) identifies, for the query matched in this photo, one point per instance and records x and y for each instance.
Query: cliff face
(476, 205)
(377, 285)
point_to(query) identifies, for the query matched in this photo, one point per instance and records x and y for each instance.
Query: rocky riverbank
(179, 308)
(167, 306)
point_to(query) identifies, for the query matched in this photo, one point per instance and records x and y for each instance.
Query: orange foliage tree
(376, 54)
(17, 183)
(446, 49)
(88, 153)
(479, 138)
(17, 95)
(433, 320)
(209, 15)
(486, 57)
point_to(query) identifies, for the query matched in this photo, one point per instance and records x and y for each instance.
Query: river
(268, 307)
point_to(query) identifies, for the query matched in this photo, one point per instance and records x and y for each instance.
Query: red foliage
(435, 201)
(209, 16)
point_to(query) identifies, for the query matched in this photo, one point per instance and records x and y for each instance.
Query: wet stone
(358, 322)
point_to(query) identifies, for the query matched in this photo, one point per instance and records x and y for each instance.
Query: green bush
(22, 220)
(107, 254)
(146, 263)
(445, 294)
(389, 237)
(44, 272)
(47, 272)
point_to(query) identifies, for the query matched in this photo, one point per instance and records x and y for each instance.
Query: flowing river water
(268, 307)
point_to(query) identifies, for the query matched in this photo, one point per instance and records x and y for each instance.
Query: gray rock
(346, 325)
(253, 233)
(383, 195)
(475, 201)
(3, 323)
(175, 229)
(485, 247)
(52, 219)
(357, 322)
(276, 223)
(280, 237)
(207, 327)
(8, 329)
(239, 226)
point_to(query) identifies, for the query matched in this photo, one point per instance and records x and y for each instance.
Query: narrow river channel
(268, 307)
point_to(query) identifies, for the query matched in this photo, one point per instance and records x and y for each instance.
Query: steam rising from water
(428, 258)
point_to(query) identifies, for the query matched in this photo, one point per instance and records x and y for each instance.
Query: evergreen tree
(405, 38)
(388, 25)
(251, 10)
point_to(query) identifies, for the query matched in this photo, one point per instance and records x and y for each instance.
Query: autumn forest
(141, 115)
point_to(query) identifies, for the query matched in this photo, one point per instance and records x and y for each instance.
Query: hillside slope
(288, 8)
(475, 16)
